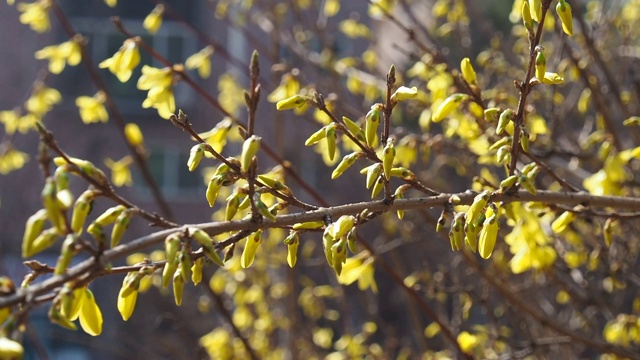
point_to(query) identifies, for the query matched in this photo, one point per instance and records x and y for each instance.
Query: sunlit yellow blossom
(68, 52)
(201, 61)
(11, 159)
(122, 63)
(159, 82)
(92, 109)
(36, 15)
(153, 21)
(111, 3)
(42, 99)
(90, 314)
(120, 172)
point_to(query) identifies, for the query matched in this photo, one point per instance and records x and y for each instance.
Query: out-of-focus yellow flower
(201, 61)
(122, 63)
(360, 268)
(92, 108)
(11, 159)
(467, 342)
(159, 82)
(153, 21)
(10, 119)
(120, 171)
(10, 2)
(36, 15)
(42, 99)
(68, 52)
(133, 134)
(111, 3)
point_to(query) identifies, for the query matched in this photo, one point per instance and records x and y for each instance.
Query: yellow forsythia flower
(467, 342)
(447, 107)
(564, 13)
(120, 171)
(331, 7)
(36, 15)
(468, 73)
(201, 61)
(111, 3)
(133, 134)
(42, 99)
(122, 63)
(536, 9)
(90, 314)
(250, 148)
(69, 52)
(153, 21)
(92, 108)
(541, 65)
(159, 82)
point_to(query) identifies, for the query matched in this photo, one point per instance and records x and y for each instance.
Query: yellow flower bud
(506, 117)
(42, 242)
(294, 102)
(339, 255)
(293, 242)
(507, 183)
(196, 270)
(526, 183)
(447, 107)
(491, 114)
(250, 148)
(331, 137)
(33, 229)
(402, 173)
(71, 301)
(373, 173)
(327, 243)
(470, 236)
(90, 314)
(552, 78)
(536, 9)
(541, 65)
(127, 303)
(456, 233)
(316, 137)
(110, 215)
(354, 129)
(120, 226)
(215, 183)
(311, 225)
(561, 223)
(263, 209)
(168, 271)
(50, 203)
(342, 226)
(404, 93)
(488, 236)
(526, 16)
(133, 134)
(81, 210)
(372, 120)
(250, 248)
(233, 203)
(195, 156)
(388, 157)
(477, 207)
(153, 21)
(178, 286)
(352, 239)
(468, 73)
(377, 187)
(346, 163)
(66, 254)
(564, 13)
